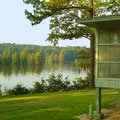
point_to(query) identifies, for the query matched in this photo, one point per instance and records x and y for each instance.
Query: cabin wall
(107, 58)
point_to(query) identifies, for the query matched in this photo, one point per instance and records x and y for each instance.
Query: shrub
(80, 83)
(39, 87)
(55, 82)
(66, 84)
(18, 90)
(0, 90)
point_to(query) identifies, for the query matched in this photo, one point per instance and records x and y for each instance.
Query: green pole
(98, 103)
(119, 98)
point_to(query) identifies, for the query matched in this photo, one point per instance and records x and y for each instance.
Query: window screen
(107, 36)
(109, 70)
(109, 53)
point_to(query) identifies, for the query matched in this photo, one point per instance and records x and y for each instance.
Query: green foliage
(0, 59)
(67, 26)
(23, 59)
(31, 59)
(38, 55)
(56, 83)
(0, 91)
(53, 83)
(79, 83)
(66, 14)
(6, 57)
(50, 59)
(39, 87)
(62, 57)
(15, 58)
(82, 63)
(115, 8)
(44, 9)
(18, 90)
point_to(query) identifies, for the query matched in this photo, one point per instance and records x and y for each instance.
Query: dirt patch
(109, 114)
(113, 115)
(82, 117)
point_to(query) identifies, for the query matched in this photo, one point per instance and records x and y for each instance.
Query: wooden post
(98, 103)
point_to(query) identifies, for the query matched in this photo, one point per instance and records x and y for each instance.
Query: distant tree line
(37, 55)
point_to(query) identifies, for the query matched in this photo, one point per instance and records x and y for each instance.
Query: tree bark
(91, 12)
(92, 60)
(92, 51)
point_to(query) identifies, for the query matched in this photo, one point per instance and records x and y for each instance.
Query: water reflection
(27, 75)
(15, 69)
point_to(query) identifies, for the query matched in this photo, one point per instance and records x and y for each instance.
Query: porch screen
(109, 53)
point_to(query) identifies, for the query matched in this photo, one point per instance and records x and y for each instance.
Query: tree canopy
(45, 8)
(65, 15)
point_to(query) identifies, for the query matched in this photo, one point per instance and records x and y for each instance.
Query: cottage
(107, 53)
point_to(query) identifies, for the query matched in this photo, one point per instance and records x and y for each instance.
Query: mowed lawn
(53, 106)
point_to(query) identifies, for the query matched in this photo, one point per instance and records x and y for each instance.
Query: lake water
(10, 76)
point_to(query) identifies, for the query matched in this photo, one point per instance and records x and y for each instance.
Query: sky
(15, 28)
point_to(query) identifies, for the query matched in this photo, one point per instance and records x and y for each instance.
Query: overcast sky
(15, 28)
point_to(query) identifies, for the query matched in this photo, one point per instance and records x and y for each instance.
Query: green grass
(52, 106)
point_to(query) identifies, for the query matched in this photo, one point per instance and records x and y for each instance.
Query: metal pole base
(98, 115)
(118, 98)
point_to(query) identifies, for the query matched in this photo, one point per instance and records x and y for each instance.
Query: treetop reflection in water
(22, 69)
(10, 76)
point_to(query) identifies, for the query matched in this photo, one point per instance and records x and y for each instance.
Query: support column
(119, 98)
(98, 103)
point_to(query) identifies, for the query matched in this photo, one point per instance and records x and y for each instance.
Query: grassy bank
(52, 106)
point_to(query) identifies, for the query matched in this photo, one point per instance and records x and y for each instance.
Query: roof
(102, 22)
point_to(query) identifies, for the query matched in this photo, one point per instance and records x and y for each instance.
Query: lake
(10, 76)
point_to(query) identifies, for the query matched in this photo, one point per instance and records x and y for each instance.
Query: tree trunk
(91, 12)
(92, 50)
(92, 60)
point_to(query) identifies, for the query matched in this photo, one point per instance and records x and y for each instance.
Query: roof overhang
(102, 22)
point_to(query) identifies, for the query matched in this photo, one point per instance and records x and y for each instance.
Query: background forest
(37, 55)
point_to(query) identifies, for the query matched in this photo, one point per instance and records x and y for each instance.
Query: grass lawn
(52, 106)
